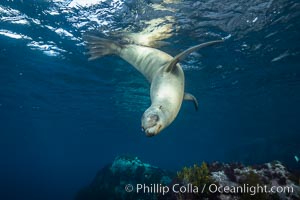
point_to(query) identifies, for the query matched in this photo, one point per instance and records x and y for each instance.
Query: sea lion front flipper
(190, 97)
(182, 55)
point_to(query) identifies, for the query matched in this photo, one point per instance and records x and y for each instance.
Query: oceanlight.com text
(211, 188)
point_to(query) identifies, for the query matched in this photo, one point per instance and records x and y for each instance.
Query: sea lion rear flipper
(190, 97)
(99, 47)
(182, 55)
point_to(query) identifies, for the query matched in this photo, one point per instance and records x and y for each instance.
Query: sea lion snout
(150, 123)
(152, 131)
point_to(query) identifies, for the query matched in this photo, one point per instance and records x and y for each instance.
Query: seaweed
(196, 175)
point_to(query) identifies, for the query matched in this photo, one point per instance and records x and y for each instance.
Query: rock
(110, 182)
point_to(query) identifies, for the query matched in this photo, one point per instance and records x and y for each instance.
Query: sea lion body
(162, 71)
(167, 89)
(146, 60)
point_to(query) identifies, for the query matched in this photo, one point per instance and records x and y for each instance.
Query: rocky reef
(111, 181)
(130, 178)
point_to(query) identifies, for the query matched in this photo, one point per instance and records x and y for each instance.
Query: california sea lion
(162, 71)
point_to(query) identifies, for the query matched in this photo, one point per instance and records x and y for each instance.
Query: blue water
(63, 118)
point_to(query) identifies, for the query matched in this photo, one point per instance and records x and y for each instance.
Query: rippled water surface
(62, 118)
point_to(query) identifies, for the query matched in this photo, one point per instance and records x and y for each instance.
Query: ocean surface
(62, 117)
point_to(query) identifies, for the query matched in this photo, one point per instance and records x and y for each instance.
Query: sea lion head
(153, 121)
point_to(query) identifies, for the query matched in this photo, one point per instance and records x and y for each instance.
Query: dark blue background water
(62, 118)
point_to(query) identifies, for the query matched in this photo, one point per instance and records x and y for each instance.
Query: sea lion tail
(99, 47)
